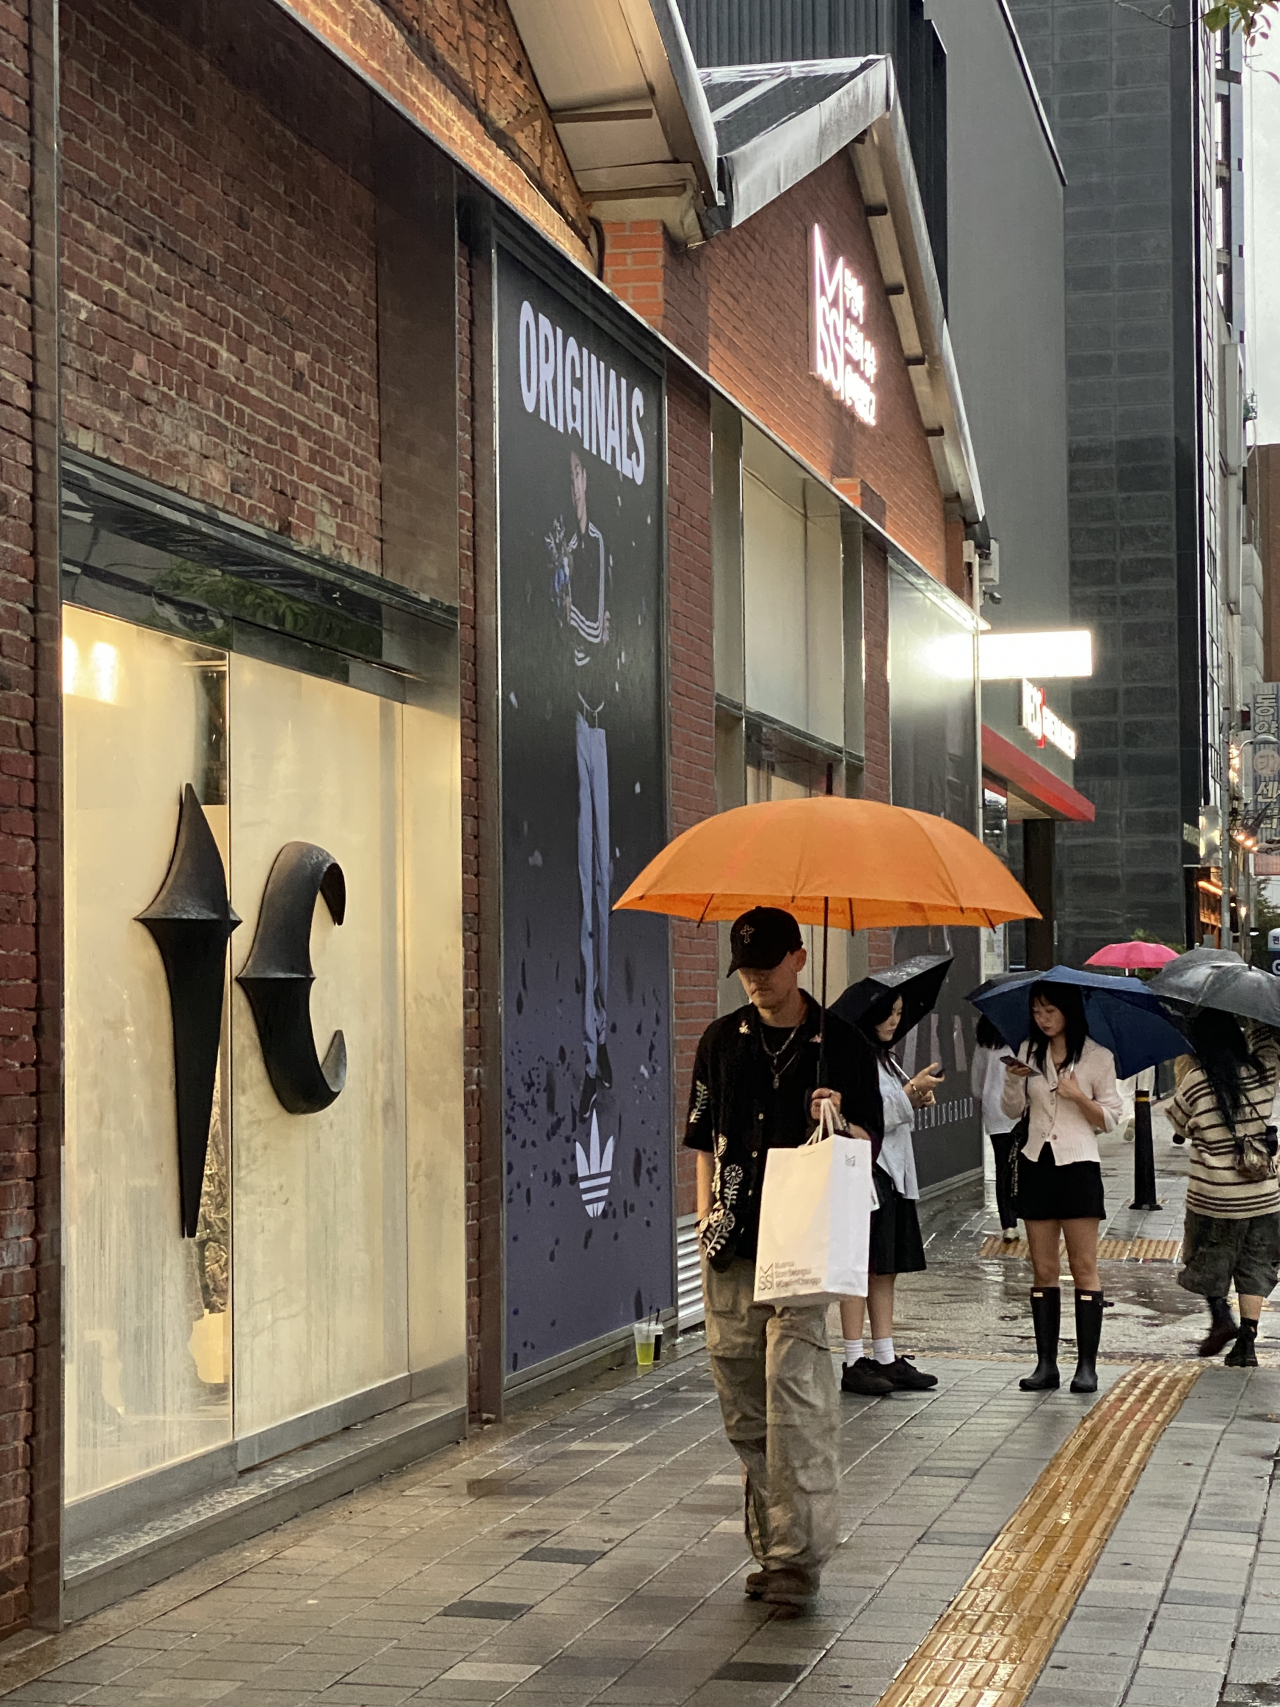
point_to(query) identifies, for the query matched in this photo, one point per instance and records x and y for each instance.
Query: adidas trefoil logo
(594, 1170)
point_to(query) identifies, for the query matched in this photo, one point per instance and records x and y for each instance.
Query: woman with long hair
(1064, 1084)
(896, 1245)
(986, 1080)
(1232, 1232)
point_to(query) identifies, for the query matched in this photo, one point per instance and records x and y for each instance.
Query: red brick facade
(739, 307)
(220, 337)
(219, 291)
(19, 922)
(693, 716)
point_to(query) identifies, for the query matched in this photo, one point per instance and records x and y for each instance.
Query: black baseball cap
(762, 938)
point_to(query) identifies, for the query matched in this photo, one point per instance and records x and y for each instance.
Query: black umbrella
(1217, 978)
(918, 981)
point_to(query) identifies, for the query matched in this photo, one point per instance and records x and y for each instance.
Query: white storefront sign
(843, 357)
(1042, 724)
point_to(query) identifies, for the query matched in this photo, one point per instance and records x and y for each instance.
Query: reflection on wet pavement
(967, 1304)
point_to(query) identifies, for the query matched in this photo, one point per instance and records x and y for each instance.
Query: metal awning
(775, 124)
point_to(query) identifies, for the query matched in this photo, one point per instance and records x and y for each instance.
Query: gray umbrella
(1217, 978)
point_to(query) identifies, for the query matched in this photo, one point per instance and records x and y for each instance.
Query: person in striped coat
(1223, 1110)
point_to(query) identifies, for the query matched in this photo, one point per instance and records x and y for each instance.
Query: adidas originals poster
(586, 1037)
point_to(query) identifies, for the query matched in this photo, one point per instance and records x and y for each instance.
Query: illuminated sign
(843, 357)
(1006, 656)
(1044, 725)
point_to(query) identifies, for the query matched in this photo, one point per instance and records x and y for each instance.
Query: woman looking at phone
(1064, 1084)
(896, 1245)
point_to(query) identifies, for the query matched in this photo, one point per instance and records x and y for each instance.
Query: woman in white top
(986, 1080)
(896, 1245)
(1065, 1085)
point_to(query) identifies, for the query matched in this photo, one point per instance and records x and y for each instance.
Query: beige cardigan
(1055, 1119)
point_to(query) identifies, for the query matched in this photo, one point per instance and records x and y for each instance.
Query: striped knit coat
(1215, 1185)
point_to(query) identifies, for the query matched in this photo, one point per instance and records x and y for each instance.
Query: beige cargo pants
(781, 1409)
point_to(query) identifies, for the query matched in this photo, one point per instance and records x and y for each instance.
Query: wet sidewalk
(590, 1552)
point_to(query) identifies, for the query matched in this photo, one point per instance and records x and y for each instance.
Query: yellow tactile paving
(1109, 1250)
(990, 1645)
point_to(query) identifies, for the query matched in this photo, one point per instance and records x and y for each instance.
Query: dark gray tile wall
(1105, 74)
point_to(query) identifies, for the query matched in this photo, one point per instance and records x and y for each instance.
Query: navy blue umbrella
(1121, 1013)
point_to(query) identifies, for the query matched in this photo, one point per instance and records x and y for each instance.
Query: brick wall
(635, 266)
(739, 306)
(478, 96)
(18, 991)
(470, 827)
(693, 718)
(220, 291)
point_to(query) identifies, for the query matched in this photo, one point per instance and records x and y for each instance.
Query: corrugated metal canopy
(775, 124)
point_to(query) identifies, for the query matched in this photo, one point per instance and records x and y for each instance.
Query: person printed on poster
(584, 571)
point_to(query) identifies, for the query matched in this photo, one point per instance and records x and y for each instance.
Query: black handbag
(1018, 1137)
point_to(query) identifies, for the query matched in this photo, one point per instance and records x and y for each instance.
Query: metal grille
(688, 1273)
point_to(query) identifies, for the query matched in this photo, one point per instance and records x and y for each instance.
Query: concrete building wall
(1005, 306)
(1117, 95)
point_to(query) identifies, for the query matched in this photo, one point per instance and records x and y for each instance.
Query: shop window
(793, 613)
(326, 1277)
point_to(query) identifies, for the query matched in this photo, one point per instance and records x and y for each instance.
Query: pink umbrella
(1133, 954)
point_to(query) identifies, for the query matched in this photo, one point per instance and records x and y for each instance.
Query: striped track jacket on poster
(1215, 1185)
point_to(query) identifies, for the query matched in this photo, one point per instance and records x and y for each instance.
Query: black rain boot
(1088, 1333)
(1046, 1313)
(1243, 1354)
(1222, 1328)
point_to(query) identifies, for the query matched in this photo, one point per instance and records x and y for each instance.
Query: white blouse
(986, 1080)
(897, 1154)
(1055, 1119)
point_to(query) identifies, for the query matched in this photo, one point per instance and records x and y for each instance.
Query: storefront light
(95, 676)
(1050, 653)
(949, 657)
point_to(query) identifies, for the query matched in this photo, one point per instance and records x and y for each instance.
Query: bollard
(1144, 1154)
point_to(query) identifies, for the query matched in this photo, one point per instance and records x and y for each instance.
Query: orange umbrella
(852, 863)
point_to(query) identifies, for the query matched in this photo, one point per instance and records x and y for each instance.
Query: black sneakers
(866, 1378)
(903, 1374)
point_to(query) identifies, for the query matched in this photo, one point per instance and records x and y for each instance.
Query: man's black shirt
(736, 1114)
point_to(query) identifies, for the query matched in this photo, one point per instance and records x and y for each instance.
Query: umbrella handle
(822, 1047)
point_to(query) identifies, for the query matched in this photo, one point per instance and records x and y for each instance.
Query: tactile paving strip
(990, 1645)
(1109, 1250)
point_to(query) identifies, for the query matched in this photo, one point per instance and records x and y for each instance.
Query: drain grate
(564, 1555)
(757, 1671)
(498, 1609)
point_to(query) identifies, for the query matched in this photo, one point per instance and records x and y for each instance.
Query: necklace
(776, 1055)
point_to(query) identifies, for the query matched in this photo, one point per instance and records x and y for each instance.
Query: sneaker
(865, 1379)
(1009, 1235)
(789, 1586)
(903, 1374)
(754, 1586)
(604, 1069)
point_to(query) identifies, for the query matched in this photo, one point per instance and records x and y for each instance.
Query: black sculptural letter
(192, 920)
(277, 978)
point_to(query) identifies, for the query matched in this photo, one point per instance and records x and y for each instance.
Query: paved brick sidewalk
(1185, 1598)
(591, 1553)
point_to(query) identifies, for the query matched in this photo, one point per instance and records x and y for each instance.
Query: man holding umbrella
(756, 1086)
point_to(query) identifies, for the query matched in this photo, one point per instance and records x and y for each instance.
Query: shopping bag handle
(830, 1122)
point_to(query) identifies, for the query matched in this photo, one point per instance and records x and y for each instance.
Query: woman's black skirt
(1047, 1192)
(896, 1245)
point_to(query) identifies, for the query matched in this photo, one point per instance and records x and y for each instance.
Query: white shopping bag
(815, 1219)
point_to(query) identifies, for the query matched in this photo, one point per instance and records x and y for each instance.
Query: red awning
(1032, 780)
